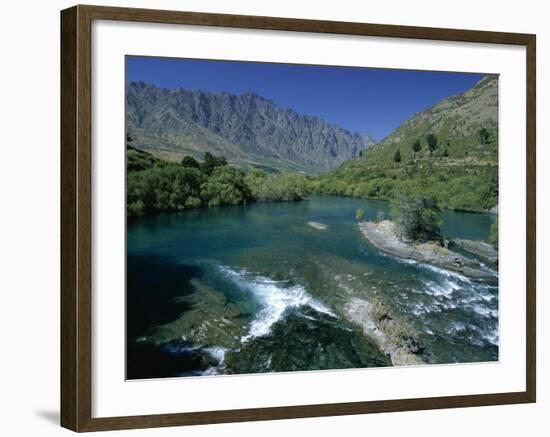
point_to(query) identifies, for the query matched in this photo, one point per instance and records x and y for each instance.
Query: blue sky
(364, 100)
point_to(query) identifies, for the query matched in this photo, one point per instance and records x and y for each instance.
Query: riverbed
(258, 288)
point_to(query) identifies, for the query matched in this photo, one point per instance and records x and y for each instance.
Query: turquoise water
(273, 290)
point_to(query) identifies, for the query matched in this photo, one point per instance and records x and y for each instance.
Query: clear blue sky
(363, 100)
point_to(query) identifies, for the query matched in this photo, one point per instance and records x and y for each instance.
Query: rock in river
(318, 226)
(383, 236)
(481, 249)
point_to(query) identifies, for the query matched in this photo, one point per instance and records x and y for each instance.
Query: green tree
(397, 156)
(253, 179)
(360, 215)
(415, 215)
(282, 187)
(431, 139)
(162, 188)
(225, 186)
(417, 147)
(189, 161)
(211, 162)
(484, 135)
(137, 160)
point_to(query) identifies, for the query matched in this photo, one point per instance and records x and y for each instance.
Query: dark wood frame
(76, 218)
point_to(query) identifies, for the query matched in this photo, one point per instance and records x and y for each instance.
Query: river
(255, 288)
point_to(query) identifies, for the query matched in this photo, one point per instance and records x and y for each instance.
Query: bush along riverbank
(155, 185)
(463, 186)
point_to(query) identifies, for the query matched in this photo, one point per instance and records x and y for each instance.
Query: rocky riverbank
(480, 249)
(383, 236)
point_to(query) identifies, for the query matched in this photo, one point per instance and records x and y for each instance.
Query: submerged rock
(383, 236)
(210, 321)
(318, 226)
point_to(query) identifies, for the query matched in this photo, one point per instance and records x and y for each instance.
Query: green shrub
(397, 156)
(225, 186)
(416, 215)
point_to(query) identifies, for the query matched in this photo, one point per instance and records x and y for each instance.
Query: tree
(417, 147)
(432, 142)
(484, 135)
(397, 156)
(189, 161)
(415, 215)
(164, 188)
(211, 162)
(225, 186)
(360, 215)
(282, 187)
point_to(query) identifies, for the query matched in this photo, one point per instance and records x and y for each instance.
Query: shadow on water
(155, 283)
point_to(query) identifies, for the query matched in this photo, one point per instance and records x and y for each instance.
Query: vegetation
(493, 237)
(397, 156)
(416, 215)
(431, 139)
(154, 185)
(484, 135)
(224, 186)
(277, 187)
(462, 188)
(189, 161)
(448, 152)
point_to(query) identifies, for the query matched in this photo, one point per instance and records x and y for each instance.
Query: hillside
(247, 129)
(455, 122)
(460, 170)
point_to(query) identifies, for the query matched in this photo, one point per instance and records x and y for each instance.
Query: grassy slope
(455, 121)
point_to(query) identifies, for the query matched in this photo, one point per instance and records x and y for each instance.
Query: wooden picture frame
(76, 217)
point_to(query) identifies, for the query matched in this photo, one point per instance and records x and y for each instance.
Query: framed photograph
(268, 218)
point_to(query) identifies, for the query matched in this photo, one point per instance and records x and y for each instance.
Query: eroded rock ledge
(394, 337)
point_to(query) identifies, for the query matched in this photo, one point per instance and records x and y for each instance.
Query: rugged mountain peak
(247, 128)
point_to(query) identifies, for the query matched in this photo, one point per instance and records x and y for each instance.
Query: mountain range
(249, 130)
